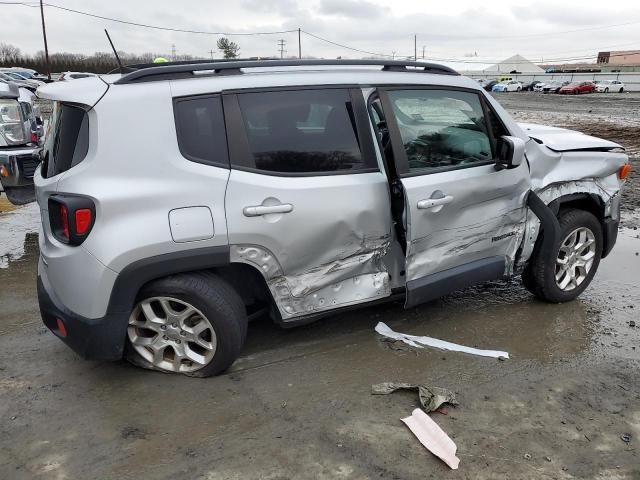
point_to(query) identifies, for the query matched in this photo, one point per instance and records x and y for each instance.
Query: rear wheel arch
(245, 280)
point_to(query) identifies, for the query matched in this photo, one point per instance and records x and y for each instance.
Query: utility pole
(44, 36)
(299, 45)
(415, 47)
(211, 53)
(423, 47)
(281, 44)
(173, 52)
(393, 55)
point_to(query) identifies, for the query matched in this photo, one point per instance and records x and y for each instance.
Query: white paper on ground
(433, 437)
(419, 342)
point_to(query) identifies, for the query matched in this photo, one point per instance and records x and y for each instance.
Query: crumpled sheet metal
(606, 188)
(356, 275)
(431, 398)
(432, 437)
(448, 248)
(420, 342)
(549, 167)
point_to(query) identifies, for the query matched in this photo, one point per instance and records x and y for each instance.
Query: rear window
(67, 140)
(305, 131)
(200, 129)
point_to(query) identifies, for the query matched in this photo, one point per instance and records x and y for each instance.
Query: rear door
(464, 219)
(306, 202)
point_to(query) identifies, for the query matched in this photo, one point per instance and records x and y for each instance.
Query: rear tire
(621, 90)
(543, 276)
(213, 334)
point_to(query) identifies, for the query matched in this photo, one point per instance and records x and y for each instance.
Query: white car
(539, 87)
(606, 86)
(75, 75)
(511, 86)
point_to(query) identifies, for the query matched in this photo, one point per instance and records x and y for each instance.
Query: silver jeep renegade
(179, 201)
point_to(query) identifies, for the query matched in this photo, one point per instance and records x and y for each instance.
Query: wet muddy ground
(298, 404)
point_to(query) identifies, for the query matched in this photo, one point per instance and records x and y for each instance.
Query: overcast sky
(447, 29)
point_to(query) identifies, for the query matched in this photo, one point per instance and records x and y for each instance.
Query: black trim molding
(439, 284)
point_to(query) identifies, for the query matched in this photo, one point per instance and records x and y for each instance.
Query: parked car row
(31, 79)
(507, 84)
(21, 135)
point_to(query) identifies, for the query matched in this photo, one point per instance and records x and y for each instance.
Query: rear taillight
(71, 218)
(64, 221)
(84, 219)
(34, 137)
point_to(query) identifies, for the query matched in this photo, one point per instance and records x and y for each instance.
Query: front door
(306, 202)
(463, 218)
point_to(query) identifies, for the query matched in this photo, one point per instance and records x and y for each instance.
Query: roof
(89, 90)
(179, 70)
(516, 63)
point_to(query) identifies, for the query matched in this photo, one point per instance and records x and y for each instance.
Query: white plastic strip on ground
(420, 342)
(433, 437)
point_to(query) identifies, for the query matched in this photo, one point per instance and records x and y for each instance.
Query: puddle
(15, 227)
(5, 205)
(497, 315)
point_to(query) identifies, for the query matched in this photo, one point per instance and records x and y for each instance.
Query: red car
(576, 88)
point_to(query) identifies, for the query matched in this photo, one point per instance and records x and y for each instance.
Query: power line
(456, 60)
(144, 25)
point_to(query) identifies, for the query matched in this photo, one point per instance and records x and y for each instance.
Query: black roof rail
(177, 70)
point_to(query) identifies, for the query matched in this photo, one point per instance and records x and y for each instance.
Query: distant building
(515, 64)
(620, 57)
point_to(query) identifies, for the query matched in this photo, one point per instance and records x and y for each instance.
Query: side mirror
(510, 152)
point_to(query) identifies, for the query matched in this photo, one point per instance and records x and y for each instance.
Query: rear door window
(311, 132)
(67, 141)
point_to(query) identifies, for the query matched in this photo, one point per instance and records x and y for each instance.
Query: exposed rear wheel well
(247, 281)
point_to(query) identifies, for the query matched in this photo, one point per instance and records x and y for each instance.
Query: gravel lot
(298, 404)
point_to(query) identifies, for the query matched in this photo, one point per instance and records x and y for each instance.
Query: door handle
(266, 210)
(434, 202)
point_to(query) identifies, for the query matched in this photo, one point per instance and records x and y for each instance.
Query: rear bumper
(19, 165)
(93, 339)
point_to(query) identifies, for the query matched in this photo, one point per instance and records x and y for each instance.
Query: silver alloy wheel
(575, 258)
(171, 334)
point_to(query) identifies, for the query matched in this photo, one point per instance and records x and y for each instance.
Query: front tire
(563, 276)
(194, 324)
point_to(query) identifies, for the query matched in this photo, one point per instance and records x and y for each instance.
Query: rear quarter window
(67, 141)
(200, 130)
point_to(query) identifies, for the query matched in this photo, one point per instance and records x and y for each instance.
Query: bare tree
(8, 53)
